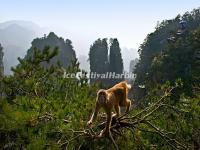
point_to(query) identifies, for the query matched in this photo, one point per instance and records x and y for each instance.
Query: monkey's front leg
(106, 131)
(94, 115)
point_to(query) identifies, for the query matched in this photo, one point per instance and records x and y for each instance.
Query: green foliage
(40, 105)
(166, 56)
(170, 59)
(178, 120)
(41, 108)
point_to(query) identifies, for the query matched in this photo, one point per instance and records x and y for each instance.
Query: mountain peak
(25, 24)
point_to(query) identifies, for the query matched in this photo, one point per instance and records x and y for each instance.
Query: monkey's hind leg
(128, 105)
(117, 109)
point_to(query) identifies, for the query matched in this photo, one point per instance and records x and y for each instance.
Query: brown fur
(114, 97)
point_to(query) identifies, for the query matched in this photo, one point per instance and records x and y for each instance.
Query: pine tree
(115, 60)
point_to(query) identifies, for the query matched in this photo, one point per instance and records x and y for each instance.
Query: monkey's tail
(128, 86)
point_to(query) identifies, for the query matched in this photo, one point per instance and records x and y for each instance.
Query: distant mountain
(25, 24)
(84, 63)
(15, 38)
(127, 56)
(66, 51)
(15, 34)
(133, 64)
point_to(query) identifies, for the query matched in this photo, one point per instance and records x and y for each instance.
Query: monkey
(115, 97)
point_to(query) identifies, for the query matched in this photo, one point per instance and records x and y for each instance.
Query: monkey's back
(118, 96)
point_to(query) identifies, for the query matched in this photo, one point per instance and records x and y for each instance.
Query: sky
(83, 21)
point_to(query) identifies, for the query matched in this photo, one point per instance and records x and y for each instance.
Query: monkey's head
(102, 97)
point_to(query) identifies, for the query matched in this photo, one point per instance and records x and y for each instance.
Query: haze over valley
(16, 37)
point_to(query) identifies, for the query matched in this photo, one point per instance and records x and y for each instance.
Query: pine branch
(130, 123)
